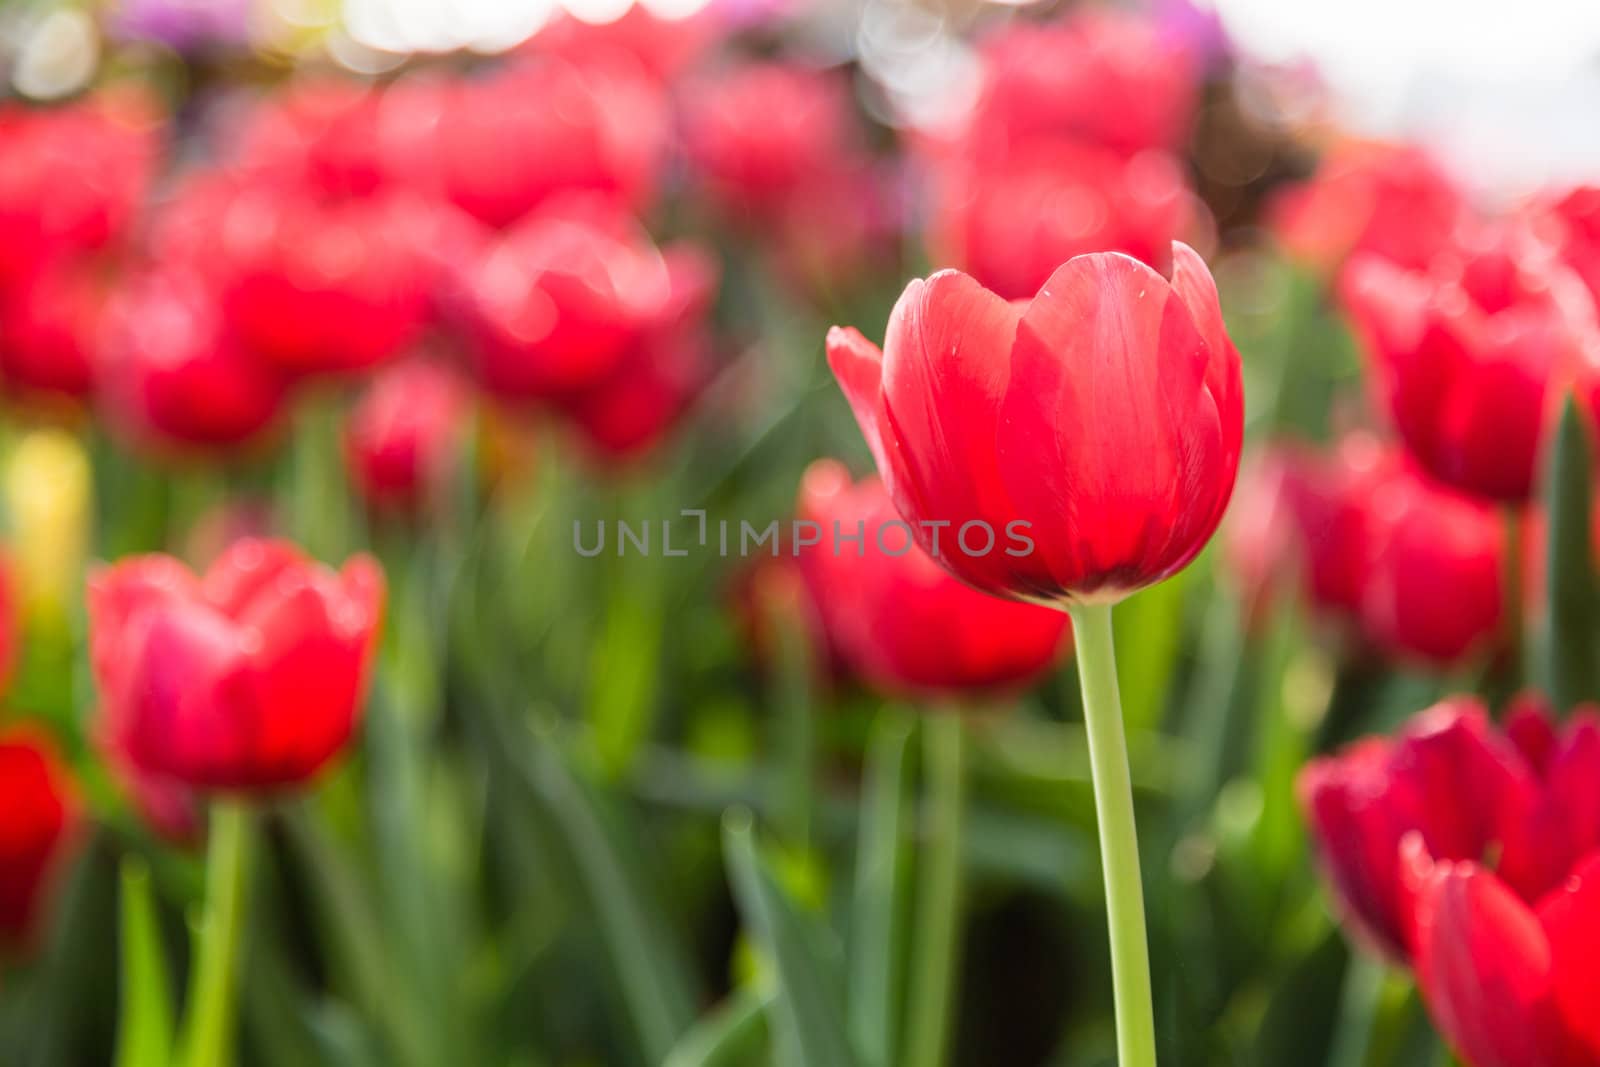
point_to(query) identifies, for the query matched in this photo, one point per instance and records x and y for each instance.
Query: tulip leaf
(1303, 1013)
(806, 1015)
(144, 1026)
(730, 1035)
(877, 917)
(1570, 637)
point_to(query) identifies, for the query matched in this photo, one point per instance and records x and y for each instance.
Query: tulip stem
(1119, 842)
(214, 985)
(938, 915)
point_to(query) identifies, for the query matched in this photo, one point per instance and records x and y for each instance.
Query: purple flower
(182, 24)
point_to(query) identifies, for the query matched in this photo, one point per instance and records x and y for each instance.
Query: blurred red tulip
(1448, 777)
(976, 411)
(1435, 571)
(1297, 512)
(171, 373)
(249, 678)
(1573, 223)
(665, 47)
(402, 437)
(72, 177)
(1011, 222)
(1109, 78)
(897, 618)
(313, 285)
(504, 144)
(50, 327)
(37, 824)
(1468, 356)
(1508, 982)
(1394, 201)
(577, 307)
(763, 133)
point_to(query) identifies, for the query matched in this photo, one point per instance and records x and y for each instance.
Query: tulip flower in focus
(1505, 955)
(896, 617)
(577, 308)
(74, 178)
(1393, 201)
(1466, 355)
(976, 410)
(403, 435)
(248, 678)
(37, 824)
(173, 375)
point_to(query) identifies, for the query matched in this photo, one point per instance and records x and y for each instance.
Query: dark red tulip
(37, 822)
(50, 327)
(762, 133)
(1011, 222)
(311, 284)
(1393, 201)
(73, 177)
(898, 619)
(577, 308)
(173, 375)
(249, 678)
(1449, 778)
(1109, 78)
(404, 434)
(506, 143)
(1467, 356)
(976, 410)
(1433, 587)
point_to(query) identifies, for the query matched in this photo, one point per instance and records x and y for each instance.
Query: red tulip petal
(1571, 918)
(858, 365)
(945, 367)
(1110, 442)
(248, 569)
(1484, 965)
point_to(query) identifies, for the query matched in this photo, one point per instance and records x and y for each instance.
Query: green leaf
(1570, 635)
(144, 1027)
(730, 1035)
(1149, 637)
(805, 1014)
(653, 978)
(877, 917)
(1304, 1011)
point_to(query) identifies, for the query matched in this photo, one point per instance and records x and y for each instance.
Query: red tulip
(37, 824)
(505, 144)
(1011, 222)
(763, 133)
(898, 619)
(249, 678)
(1509, 983)
(1394, 201)
(664, 47)
(326, 134)
(403, 435)
(979, 410)
(1466, 357)
(171, 373)
(1448, 777)
(1433, 587)
(1573, 222)
(578, 308)
(49, 328)
(310, 284)
(73, 177)
(1112, 79)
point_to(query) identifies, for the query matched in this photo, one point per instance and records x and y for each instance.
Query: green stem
(1119, 842)
(938, 916)
(213, 992)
